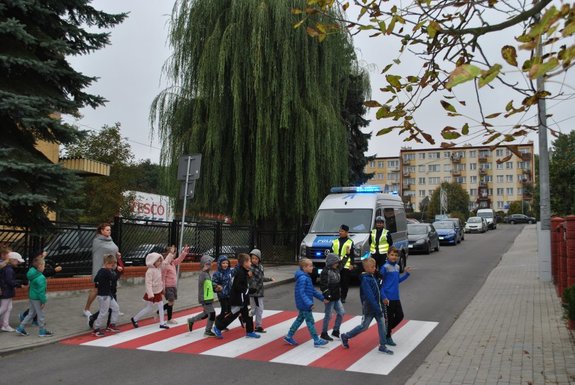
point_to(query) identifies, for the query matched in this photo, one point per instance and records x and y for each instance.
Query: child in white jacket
(154, 290)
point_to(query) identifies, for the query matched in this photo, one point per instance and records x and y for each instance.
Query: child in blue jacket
(304, 293)
(371, 307)
(222, 280)
(391, 278)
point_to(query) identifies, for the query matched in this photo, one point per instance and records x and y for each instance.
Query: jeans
(35, 310)
(106, 302)
(306, 316)
(365, 321)
(339, 311)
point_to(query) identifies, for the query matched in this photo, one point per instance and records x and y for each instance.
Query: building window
(421, 168)
(461, 179)
(473, 166)
(380, 176)
(434, 180)
(422, 180)
(473, 179)
(372, 163)
(433, 168)
(447, 179)
(446, 167)
(499, 178)
(421, 193)
(509, 178)
(499, 152)
(446, 154)
(472, 192)
(500, 191)
(485, 166)
(509, 190)
(422, 155)
(473, 154)
(499, 166)
(393, 163)
(509, 165)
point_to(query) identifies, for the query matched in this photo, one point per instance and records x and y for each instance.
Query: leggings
(5, 309)
(150, 308)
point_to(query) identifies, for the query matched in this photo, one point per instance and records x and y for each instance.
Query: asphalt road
(440, 287)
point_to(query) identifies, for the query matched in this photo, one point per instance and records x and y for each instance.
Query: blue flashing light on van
(356, 189)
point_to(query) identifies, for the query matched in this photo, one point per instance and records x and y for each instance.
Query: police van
(356, 207)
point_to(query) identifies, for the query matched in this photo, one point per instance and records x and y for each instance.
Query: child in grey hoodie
(205, 297)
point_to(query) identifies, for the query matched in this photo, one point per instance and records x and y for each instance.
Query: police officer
(343, 247)
(379, 242)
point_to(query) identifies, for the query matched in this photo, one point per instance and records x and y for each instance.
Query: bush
(569, 302)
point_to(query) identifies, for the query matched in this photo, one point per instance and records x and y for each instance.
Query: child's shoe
(252, 335)
(345, 341)
(7, 329)
(259, 329)
(113, 328)
(385, 350)
(190, 325)
(172, 322)
(45, 333)
(390, 342)
(164, 326)
(319, 342)
(98, 333)
(218, 333)
(21, 331)
(326, 337)
(335, 333)
(209, 333)
(290, 340)
(134, 323)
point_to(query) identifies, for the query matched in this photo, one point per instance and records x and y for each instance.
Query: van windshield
(485, 214)
(329, 220)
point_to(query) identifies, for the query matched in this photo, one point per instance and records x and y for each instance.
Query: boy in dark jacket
(8, 285)
(329, 283)
(205, 297)
(222, 280)
(239, 299)
(106, 283)
(371, 307)
(304, 294)
(257, 284)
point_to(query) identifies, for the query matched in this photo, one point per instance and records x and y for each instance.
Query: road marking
(363, 355)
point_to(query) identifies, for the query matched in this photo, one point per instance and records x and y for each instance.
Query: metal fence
(70, 245)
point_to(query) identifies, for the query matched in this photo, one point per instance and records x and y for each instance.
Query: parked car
(520, 218)
(137, 256)
(459, 225)
(447, 232)
(412, 220)
(422, 237)
(476, 224)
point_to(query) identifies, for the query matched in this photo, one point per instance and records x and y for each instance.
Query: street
(440, 287)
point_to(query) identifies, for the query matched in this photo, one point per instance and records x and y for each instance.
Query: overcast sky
(129, 72)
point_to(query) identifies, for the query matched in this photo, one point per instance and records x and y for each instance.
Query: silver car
(476, 224)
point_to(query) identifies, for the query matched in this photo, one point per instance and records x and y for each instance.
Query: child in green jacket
(37, 296)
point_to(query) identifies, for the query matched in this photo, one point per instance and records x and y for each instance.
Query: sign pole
(183, 215)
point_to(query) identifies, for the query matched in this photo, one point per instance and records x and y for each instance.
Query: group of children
(379, 294)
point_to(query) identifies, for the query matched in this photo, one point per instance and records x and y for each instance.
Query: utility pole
(544, 237)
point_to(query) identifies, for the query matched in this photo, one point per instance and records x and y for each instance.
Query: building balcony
(456, 172)
(525, 156)
(406, 174)
(483, 185)
(408, 187)
(406, 162)
(483, 159)
(393, 169)
(482, 171)
(455, 158)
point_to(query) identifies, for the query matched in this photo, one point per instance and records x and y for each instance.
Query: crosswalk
(362, 356)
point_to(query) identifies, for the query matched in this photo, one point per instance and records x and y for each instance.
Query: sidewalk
(512, 332)
(64, 309)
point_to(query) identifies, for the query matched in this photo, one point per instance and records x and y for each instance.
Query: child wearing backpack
(330, 285)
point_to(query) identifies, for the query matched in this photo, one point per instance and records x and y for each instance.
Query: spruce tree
(37, 84)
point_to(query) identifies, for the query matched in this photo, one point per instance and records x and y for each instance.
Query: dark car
(520, 218)
(137, 256)
(460, 226)
(447, 232)
(422, 237)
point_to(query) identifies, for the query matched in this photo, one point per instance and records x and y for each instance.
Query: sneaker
(7, 329)
(326, 337)
(319, 342)
(209, 333)
(345, 341)
(217, 332)
(172, 322)
(252, 335)
(389, 341)
(113, 328)
(335, 333)
(98, 333)
(190, 324)
(385, 350)
(45, 333)
(290, 341)
(87, 313)
(21, 331)
(134, 323)
(164, 326)
(259, 329)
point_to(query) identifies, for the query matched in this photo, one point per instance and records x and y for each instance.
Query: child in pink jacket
(170, 279)
(154, 290)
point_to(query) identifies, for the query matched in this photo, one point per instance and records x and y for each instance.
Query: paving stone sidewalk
(512, 332)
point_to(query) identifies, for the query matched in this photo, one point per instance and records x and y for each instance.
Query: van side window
(377, 214)
(400, 220)
(390, 221)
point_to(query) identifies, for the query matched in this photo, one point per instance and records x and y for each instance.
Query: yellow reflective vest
(347, 245)
(383, 245)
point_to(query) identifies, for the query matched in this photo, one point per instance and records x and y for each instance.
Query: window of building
(446, 154)
(433, 168)
(461, 179)
(485, 166)
(473, 179)
(446, 167)
(509, 178)
(499, 166)
(500, 205)
(422, 180)
(421, 193)
(421, 155)
(421, 168)
(499, 178)
(447, 179)
(434, 180)
(379, 176)
(490, 191)
(484, 153)
(472, 153)
(509, 190)
(509, 165)
(500, 191)
(523, 165)
(499, 152)
(473, 192)
(488, 178)
(473, 166)
(372, 163)
(393, 163)
(430, 192)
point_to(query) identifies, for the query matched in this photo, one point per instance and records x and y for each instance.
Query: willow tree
(260, 101)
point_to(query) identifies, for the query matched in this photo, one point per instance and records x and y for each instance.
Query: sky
(130, 76)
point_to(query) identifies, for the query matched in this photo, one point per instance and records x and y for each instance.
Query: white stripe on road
(407, 339)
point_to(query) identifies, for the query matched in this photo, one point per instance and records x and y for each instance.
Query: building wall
(387, 173)
(488, 183)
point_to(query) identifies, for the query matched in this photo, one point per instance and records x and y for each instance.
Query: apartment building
(386, 174)
(493, 178)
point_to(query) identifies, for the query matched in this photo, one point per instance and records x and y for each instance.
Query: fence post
(562, 262)
(174, 235)
(555, 244)
(117, 232)
(218, 240)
